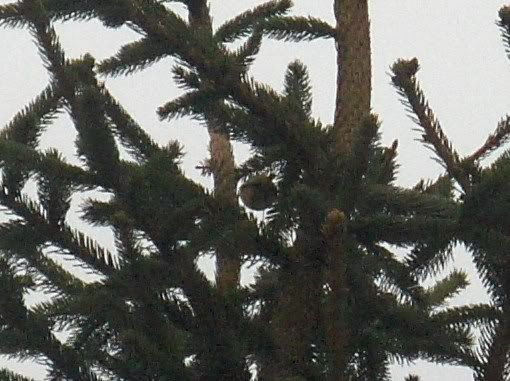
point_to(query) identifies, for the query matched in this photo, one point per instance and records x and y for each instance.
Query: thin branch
(243, 24)
(73, 241)
(297, 29)
(495, 140)
(407, 86)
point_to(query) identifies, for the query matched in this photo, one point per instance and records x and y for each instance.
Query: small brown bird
(258, 192)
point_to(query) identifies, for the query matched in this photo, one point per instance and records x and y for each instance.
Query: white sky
(465, 74)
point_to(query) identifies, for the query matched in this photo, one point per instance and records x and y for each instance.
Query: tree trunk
(497, 360)
(334, 314)
(223, 361)
(222, 166)
(352, 107)
(353, 69)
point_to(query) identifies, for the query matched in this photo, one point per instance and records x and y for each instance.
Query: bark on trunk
(222, 166)
(223, 169)
(337, 330)
(354, 87)
(497, 361)
(224, 361)
(354, 84)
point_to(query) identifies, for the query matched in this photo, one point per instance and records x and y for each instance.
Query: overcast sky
(464, 72)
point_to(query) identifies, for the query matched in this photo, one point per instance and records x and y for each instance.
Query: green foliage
(331, 299)
(298, 90)
(504, 23)
(6, 375)
(446, 288)
(244, 24)
(298, 29)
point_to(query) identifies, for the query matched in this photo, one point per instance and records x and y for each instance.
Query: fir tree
(331, 300)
